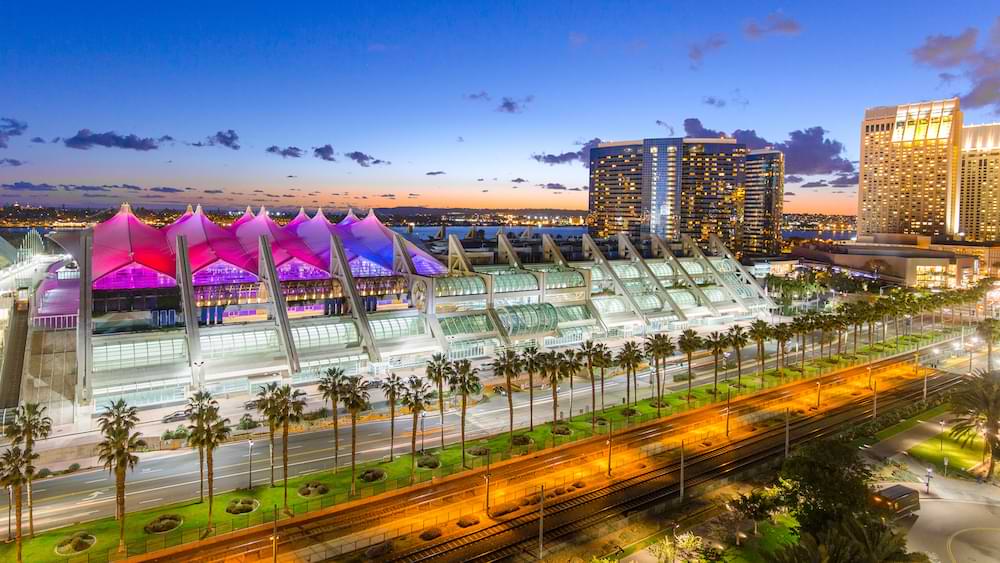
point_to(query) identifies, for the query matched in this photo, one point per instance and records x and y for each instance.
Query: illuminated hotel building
(909, 169)
(979, 184)
(765, 187)
(678, 187)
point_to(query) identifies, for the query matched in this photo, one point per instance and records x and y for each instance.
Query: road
(166, 478)
(957, 531)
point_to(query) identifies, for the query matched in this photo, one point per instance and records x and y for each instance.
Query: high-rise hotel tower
(979, 183)
(688, 186)
(909, 169)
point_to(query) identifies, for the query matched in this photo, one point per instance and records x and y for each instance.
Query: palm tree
(531, 362)
(760, 332)
(208, 434)
(716, 343)
(330, 385)
(658, 348)
(604, 360)
(976, 406)
(570, 362)
(508, 364)
(415, 398)
(354, 395)
(30, 425)
(197, 410)
(801, 327)
(266, 408)
(629, 358)
(689, 343)
(288, 406)
(393, 388)
(589, 352)
(553, 375)
(989, 331)
(117, 452)
(16, 469)
(738, 338)
(439, 369)
(465, 381)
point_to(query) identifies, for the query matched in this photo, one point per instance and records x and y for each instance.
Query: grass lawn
(770, 538)
(912, 421)
(195, 514)
(960, 459)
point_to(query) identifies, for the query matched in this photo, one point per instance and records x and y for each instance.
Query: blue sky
(424, 87)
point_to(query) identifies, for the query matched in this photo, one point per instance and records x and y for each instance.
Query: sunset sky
(471, 104)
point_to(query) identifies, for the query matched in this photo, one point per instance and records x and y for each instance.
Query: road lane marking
(150, 501)
(101, 480)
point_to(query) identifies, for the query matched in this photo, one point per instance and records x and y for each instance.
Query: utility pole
(274, 536)
(487, 477)
(682, 470)
(819, 386)
(786, 430)
(875, 406)
(610, 433)
(541, 523)
(729, 398)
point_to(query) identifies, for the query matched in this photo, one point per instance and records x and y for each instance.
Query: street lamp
(487, 476)
(941, 435)
(250, 458)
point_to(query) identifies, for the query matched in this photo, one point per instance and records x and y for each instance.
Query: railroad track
(374, 510)
(516, 536)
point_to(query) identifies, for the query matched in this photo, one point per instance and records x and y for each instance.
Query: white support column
(84, 323)
(551, 252)
(628, 250)
(402, 263)
(507, 252)
(341, 270)
(661, 247)
(593, 251)
(718, 247)
(457, 260)
(191, 329)
(696, 252)
(267, 270)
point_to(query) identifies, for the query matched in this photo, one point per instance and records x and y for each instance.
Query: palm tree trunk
(392, 426)
(715, 379)
(571, 396)
(201, 474)
(336, 435)
(690, 377)
(284, 460)
(441, 409)
(602, 389)
(211, 484)
(31, 508)
(120, 490)
(555, 405)
(739, 367)
(17, 514)
(593, 395)
(270, 431)
(354, 447)
(635, 385)
(656, 361)
(628, 396)
(413, 447)
(463, 428)
(531, 401)
(510, 412)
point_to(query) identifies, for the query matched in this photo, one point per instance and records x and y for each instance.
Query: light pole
(941, 435)
(875, 403)
(729, 398)
(423, 415)
(610, 432)
(819, 387)
(929, 472)
(250, 459)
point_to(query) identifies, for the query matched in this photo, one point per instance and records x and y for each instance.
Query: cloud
(816, 184)
(10, 127)
(774, 24)
(11, 162)
(214, 191)
(324, 153)
(460, 139)
(484, 191)
(793, 179)
(807, 151)
(28, 187)
(388, 196)
(845, 180)
(519, 180)
(258, 191)
(697, 51)
(412, 195)
(165, 139)
(582, 155)
(365, 160)
(166, 190)
(667, 126)
(227, 138)
(85, 139)
(577, 40)
(37, 140)
(578, 189)
(979, 67)
(713, 101)
(434, 173)
(291, 176)
(514, 105)
(287, 152)
(480, 179)
(481, 95)
(75, 188)
(552, 186)
(789, 194)
(128, 187)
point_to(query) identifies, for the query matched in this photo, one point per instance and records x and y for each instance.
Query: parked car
(175, 416)
(250, 405)
(500, 390)
(900, 501)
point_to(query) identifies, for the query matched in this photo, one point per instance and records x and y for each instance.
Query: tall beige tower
(979, 187)
(909, 169)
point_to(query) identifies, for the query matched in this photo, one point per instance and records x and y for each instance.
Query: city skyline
(370, 107)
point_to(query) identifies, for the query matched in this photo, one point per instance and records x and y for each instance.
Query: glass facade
(519, 320)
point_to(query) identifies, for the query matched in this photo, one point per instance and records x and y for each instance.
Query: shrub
(467, 520)
(629, 411)
(428, 462)
(379, 551)
(242, 506)
(521, 440)
(372, 475)
(43, 473)
(313, 489)
(247, 422)
(560, 491)
(430, 534)
(601, 421)
(73, 467)
(505, 509)
(479, 451)
(80, 541)
(561, 430)
(322, 412)
(163, 523)
(579, 484)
